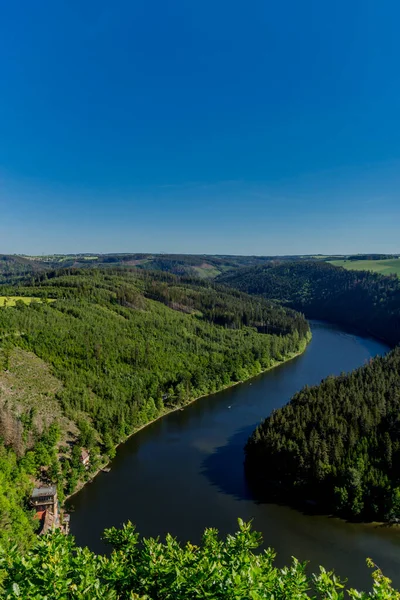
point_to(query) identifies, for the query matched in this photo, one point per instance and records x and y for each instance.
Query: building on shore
(44, 500)
(85, 458)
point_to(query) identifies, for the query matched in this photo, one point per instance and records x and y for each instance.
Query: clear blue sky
(206, 127)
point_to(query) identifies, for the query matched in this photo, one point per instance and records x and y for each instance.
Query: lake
(185, 472)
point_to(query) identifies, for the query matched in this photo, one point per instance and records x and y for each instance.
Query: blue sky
(210, 127)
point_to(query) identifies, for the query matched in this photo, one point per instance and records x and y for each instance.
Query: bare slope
(28, 394)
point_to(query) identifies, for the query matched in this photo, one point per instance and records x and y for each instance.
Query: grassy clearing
(207, 272)
(389, 266)
(11, 300)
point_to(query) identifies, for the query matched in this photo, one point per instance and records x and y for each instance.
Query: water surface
(185, 472)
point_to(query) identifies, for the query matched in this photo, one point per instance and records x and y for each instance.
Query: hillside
(366, 301)
(115, 349)
(14, 268)
(33, 432)
(28, 391)
(337, 444)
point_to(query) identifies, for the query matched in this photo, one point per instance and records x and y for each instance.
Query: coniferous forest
(366, 301)
(336, 444)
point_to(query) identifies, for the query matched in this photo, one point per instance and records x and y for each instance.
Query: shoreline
(166, 412)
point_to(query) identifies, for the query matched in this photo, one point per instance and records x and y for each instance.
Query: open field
(384, 267)
(207, 272)
(11, 300)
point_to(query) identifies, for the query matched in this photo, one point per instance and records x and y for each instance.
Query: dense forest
(123, 346)
(337, 444)
(371, 256)
(219, 569)
(366, 301)
(17, 268)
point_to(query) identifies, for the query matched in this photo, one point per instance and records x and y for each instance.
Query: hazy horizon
(200, 254)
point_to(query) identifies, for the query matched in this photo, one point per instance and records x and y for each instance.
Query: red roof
(40, 514)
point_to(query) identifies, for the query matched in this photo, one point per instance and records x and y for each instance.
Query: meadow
(11, 300)
(384, 267)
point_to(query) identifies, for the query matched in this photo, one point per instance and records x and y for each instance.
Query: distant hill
(15, 268)
(366, 301)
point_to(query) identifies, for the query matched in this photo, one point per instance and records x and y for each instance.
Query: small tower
(45, 502)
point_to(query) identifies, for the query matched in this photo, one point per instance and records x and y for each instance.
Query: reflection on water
(185, 472)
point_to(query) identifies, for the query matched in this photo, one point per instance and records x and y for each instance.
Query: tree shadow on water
(224, 467)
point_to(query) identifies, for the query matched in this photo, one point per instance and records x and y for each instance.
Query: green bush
(219, 569)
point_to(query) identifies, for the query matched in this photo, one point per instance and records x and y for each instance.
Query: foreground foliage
(151, 570)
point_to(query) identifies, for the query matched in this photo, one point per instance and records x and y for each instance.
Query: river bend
(185, 472)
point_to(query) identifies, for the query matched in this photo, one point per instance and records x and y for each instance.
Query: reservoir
(184, 473)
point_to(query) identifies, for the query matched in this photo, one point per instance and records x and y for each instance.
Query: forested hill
(100, 353)
(14, 268)
(337, 443)
(367, 301)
